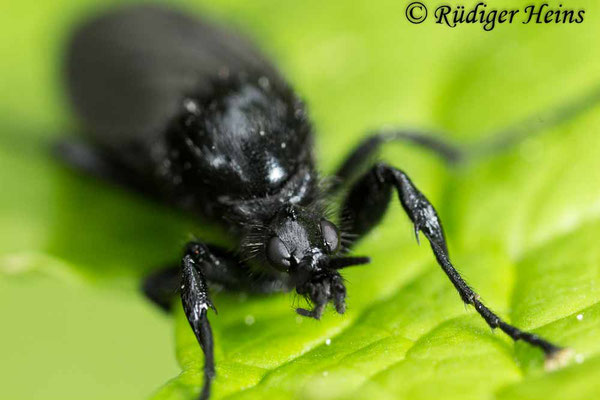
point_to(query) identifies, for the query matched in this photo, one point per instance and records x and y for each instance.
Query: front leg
(363, 209)
(203, 263)
(196, 302)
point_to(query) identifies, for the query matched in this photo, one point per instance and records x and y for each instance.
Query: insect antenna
(344, 262)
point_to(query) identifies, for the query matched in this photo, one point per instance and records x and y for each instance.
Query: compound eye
(330, 236)
(277, 254)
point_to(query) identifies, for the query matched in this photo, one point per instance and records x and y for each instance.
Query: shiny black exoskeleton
(194, 116)
(248, 142)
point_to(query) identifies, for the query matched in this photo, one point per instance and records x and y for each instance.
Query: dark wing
(128, 70)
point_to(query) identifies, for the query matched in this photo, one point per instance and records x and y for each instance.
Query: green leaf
(522, 226)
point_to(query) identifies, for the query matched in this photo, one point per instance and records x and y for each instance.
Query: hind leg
(97, 163)
(362, 156)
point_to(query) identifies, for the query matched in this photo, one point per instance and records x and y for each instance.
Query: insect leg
(93, 161)
(369, 198)
(534, 124)
(196, 302)
(161, 286)
(200, 264)
(453, 153)
(362, 156)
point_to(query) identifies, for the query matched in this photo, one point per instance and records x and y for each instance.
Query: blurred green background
(522, 226)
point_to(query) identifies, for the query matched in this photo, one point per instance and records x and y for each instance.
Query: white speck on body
(261, 133)
(327, 342)
(217, 162)
(191, 106)
(283, 145)
(263, 81)
(579, 358)
(275, 174)
(249, 320)
(580, 317)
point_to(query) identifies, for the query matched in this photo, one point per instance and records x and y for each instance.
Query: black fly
(194, 116)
